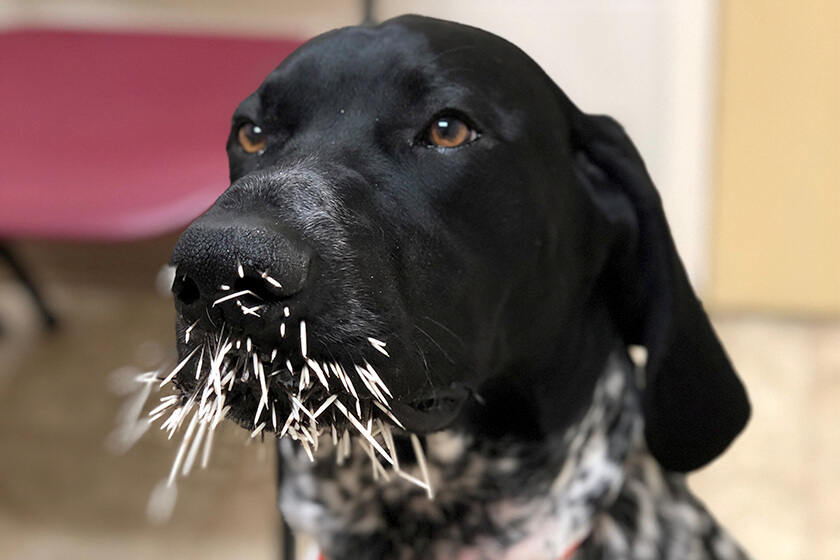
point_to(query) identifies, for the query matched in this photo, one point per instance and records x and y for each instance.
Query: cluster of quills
(325, 406)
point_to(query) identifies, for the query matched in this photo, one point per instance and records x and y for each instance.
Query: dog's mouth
(272, 389)
(433, 413)
(289, 389)
(281, 392)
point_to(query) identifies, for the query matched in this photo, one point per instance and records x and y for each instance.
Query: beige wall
(777, 201)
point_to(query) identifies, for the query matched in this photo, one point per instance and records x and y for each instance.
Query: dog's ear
(693, 402)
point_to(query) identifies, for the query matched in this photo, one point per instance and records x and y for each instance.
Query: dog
(427, 270)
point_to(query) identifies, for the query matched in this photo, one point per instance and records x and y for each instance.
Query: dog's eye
(450, 132)
(251, 137)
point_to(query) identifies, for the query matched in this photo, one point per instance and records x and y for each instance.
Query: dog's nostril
(185, 289)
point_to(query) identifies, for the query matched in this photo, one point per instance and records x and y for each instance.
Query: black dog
(429, 251)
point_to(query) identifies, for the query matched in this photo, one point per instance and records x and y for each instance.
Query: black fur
(502, 274)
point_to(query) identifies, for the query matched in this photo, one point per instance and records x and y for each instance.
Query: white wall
(649, 63)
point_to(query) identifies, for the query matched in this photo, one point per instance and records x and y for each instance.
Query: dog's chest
(481, 509)
(494, 500)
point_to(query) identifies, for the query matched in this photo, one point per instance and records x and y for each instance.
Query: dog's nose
(233, 267)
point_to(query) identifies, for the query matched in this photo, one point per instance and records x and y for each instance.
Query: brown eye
(251, 138)
(450, 132)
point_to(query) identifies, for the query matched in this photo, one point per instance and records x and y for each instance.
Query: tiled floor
(63, 495)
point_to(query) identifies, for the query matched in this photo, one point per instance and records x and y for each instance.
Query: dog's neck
(494, 499)
(539, 395)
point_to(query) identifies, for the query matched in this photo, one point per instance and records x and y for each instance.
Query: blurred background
(734, 105)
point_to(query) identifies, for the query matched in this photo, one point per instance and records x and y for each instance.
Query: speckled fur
(655, 516)
(508, 500)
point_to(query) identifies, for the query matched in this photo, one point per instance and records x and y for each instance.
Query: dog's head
(421, 228)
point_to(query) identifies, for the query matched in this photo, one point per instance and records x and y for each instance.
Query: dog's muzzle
(250, 278)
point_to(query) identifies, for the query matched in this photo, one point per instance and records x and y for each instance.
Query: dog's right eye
(251, 137)
(448, 130)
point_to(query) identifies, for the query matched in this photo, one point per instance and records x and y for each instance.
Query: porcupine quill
(204, 408)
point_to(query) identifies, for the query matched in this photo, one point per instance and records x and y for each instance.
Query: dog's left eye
(449, 132)
(251, 137)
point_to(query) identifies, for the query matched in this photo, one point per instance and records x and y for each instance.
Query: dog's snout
(237, 268)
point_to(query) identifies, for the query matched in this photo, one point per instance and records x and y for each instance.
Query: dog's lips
(431, 414)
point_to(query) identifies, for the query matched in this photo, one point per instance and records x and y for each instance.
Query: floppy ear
(693, 402)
